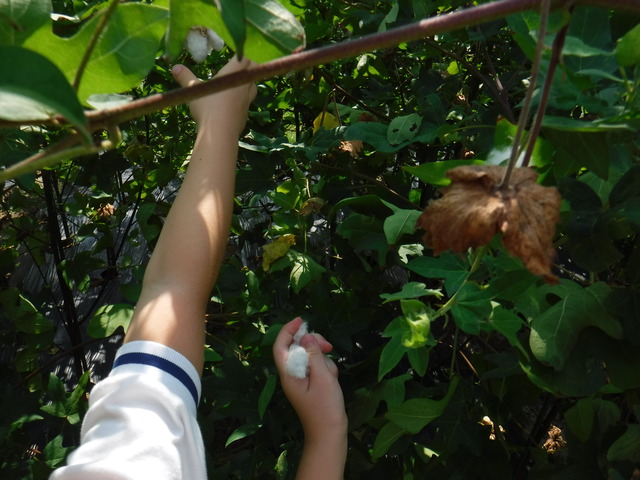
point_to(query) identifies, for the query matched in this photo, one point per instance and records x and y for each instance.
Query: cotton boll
(298, 360)
(213, 39)
(198, 43)
(302, 331)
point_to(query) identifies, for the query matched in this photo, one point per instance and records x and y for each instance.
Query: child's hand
(223, 110)
(317, 399)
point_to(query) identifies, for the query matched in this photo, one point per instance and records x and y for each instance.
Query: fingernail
(177, 69)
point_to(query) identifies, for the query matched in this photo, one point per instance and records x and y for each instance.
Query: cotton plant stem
(103, 119)
(310, 58)
(545, 8)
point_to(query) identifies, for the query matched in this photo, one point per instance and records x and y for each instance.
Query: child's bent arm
(318, 401)
(187, 257)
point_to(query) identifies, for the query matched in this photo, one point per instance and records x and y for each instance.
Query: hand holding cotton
(298, 360)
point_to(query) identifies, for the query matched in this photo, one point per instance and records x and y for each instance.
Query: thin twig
(488, 82)
(104, 20)
(40, 159)
(366, 107)
(558, 44)
(545, 8)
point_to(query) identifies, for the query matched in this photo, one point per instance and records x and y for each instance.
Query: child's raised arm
(318, 401)
(187, 257)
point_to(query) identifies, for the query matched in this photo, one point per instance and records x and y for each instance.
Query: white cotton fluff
(298, 360)
(200, 41)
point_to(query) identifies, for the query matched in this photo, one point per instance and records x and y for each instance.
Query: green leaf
(435, 172)
(416, 413)
(58, 397)
(76, 397)
(411, 290)
(265, 395)
(577, 47)
(452, 268)
(109, 318)
(403, 129)
(280, 31)
(399, 223)
(625, 448)
(387, 436)
(391, 355)
(34, 89)
(23, 313)
(373, 133)
(54, 452)
(123, 55)
(419, 360)
(304, 269)
(565, 124)
(376, 135)
(240, 433)
(628, 187)
(364, 232)
(627, 52)
(147, 221)
(507, 323)
(584, 148)
(471, 308)
(233, 15)
(580, 418)
(20, 18)
(393, 390)
(210, 355)
(554, 332)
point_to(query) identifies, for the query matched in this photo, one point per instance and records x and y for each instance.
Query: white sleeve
(141, 421)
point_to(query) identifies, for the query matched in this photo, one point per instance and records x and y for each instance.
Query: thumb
(184, 76)
(316, 358)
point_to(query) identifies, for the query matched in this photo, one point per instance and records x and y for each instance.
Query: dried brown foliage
(474, 208)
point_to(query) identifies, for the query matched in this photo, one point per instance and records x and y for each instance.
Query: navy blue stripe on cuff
(161, 363)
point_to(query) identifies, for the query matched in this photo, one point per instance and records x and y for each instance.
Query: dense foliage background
(452, 366)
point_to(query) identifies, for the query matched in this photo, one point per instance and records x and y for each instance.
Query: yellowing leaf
(325, 120)
(276, 249)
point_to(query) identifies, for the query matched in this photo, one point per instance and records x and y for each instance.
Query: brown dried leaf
(555, 442)
(473, 209)
(354, 147)
(106, 211)
(312, 205)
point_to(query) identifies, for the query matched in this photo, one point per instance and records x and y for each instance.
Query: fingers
(316, 347)
(234, 65)
(184, 76)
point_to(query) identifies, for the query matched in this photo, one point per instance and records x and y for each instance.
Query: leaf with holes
(403, 129)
